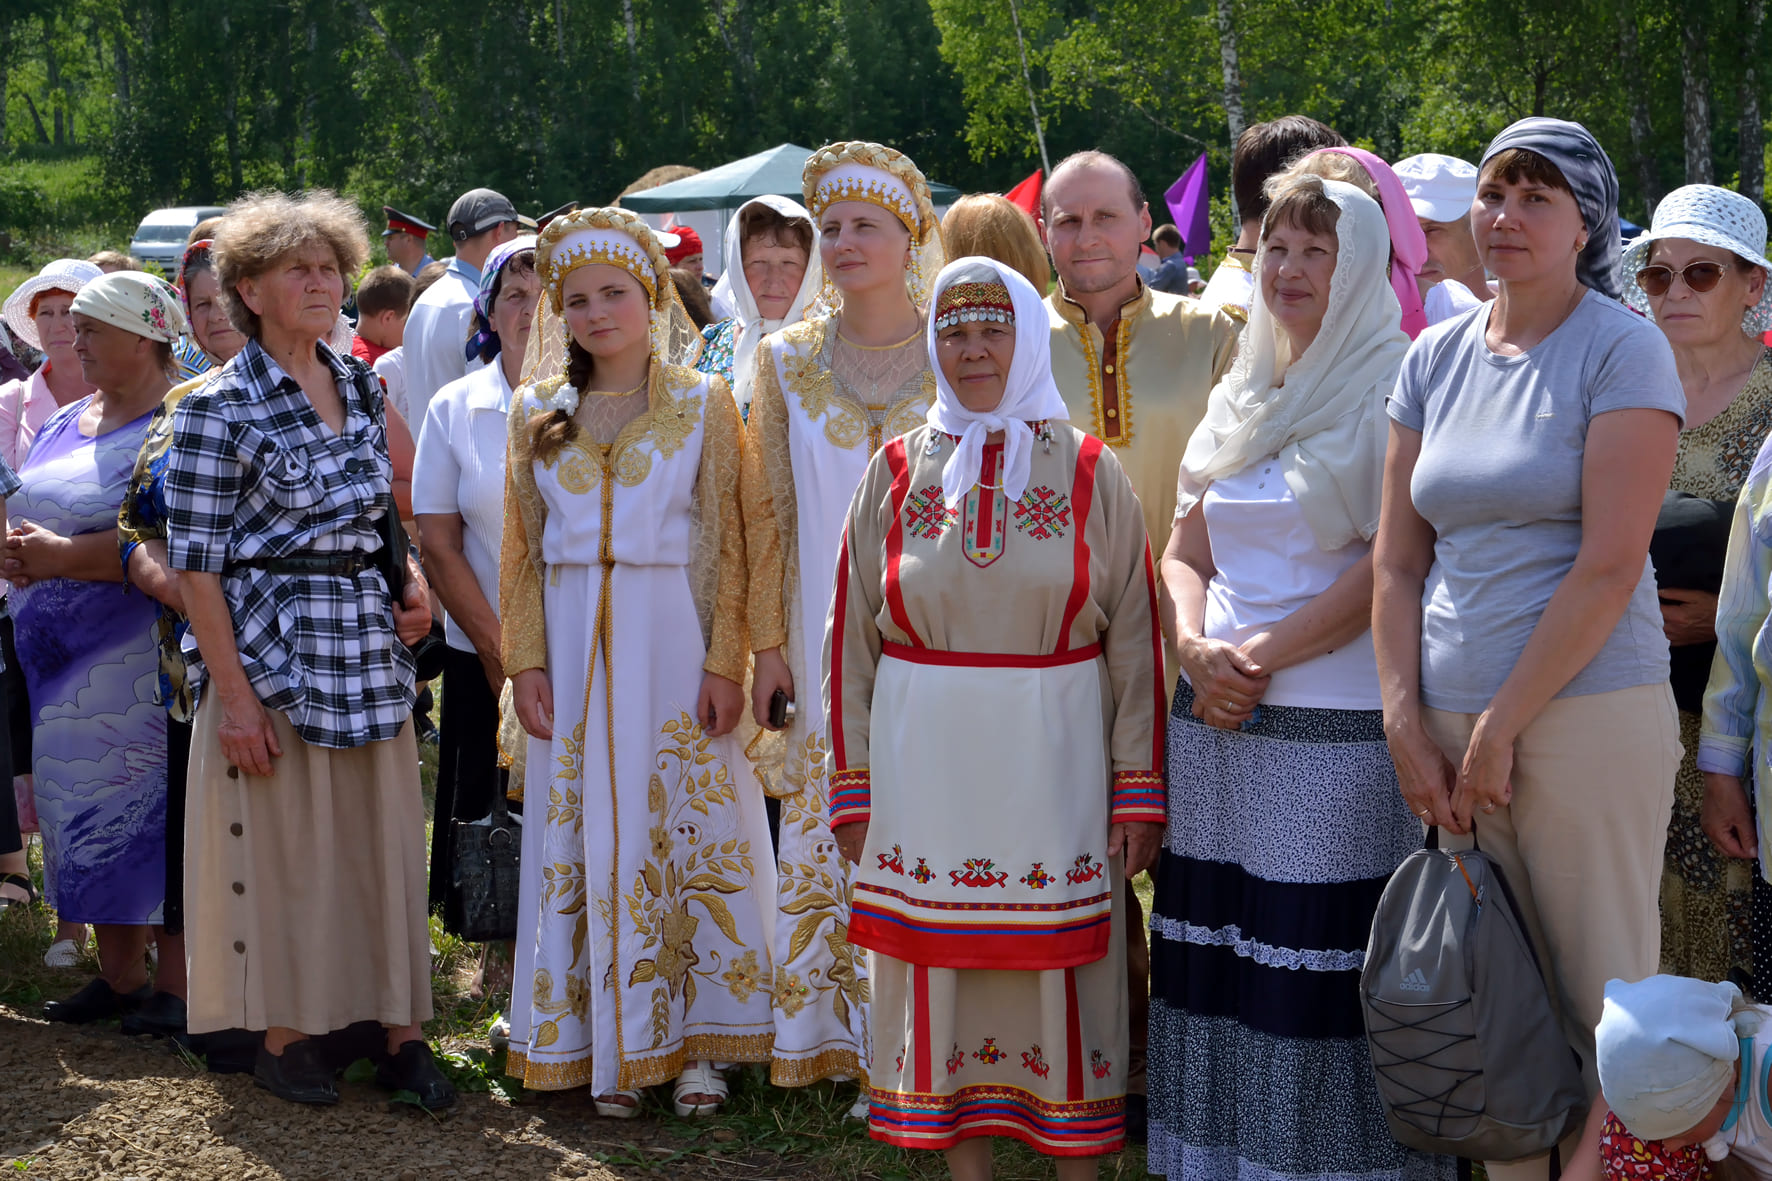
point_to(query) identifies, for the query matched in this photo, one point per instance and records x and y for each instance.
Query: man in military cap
(404, 240)
(437, 329)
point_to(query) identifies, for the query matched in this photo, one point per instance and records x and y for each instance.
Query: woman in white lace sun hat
(1700, 274)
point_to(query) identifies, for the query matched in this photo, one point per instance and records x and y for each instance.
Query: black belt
(352, 563)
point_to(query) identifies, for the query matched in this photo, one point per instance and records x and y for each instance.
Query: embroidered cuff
(851, 797)
(1722, 756)
(1138, 798)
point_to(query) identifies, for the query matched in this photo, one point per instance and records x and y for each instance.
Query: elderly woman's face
(975, 359)
(1526, 229)
(1687, 315)
(606, 310)
(1296, 268)
(55, 324)
(774, 270)
(513, 312)
(111, 358)
(300, 294)
(215, 333)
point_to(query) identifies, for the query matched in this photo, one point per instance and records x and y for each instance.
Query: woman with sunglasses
(1700, 274)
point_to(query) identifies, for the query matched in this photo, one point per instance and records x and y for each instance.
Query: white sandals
(698, 1078)
(63, 953)
(609, 1109)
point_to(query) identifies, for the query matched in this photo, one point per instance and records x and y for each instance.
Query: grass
(55, 205)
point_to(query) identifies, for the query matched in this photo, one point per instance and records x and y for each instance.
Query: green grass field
(54, 206)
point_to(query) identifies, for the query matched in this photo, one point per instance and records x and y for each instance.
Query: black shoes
(95, 1002)
(414, 1069)
(161, 1015)
(299, 1074)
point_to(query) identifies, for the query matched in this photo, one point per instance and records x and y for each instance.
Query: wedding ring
(1425, 813)
(1488, 807)
(1229, 704)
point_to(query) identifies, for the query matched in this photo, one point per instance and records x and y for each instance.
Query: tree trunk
(231, 114)
(1641, 131)
(627, 17)
(1695, 75)
(1233, 81)
(52, 76)
(1753, 135)
(120, 56)
(3, 73)
(42, 135)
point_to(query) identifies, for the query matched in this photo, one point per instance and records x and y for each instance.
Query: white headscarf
(135, 302)
(1666, 1051)
(1327, 421)
(752, 327)
(1029, 393)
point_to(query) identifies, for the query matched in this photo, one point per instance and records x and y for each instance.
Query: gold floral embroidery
(673, 414)
(810, 378)
(668, 885)
(744, 977)
(911, 413)
(790, 994)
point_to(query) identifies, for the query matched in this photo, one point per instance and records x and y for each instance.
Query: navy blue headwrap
(1587, 168)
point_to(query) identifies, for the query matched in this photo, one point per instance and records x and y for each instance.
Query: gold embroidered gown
(642, 942)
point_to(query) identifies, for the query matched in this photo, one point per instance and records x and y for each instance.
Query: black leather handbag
(487, 859)
(427, 654)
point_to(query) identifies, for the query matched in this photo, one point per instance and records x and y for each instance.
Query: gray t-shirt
(1499, 479)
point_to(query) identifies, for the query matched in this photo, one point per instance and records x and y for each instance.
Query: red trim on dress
(1073, 1039)
(920, 1027)
(984, 944)
(949, 659)
(993, 452)
(1161, 679)
(839, 754)
(901, 488)
(1082, 499)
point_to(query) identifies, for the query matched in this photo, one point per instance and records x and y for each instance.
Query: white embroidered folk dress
(994, 706)
(642, 941)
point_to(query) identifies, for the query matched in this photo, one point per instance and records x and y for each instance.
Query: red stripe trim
(1073, 1039)
(1160, 702)
(901, 488)
(1082, 499)
(987, 496)
(1041, 949)
(920, 1018)
(921, 655)
(838, 751)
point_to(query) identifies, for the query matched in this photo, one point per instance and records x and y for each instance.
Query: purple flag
(1190, 205)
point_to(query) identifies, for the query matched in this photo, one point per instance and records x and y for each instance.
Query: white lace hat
(1713, 217)
(64, 274)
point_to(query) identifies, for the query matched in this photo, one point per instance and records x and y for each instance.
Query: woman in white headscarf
(773, 275)
(1285, 819)
(993, 701)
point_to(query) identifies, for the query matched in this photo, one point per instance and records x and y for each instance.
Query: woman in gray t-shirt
(1520, 648)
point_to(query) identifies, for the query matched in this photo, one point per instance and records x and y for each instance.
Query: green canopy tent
(776, 171)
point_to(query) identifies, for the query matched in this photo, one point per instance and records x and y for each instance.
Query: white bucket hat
(1713, 217)
(64, 274)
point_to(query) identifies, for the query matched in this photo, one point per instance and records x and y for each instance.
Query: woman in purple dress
(87, 646)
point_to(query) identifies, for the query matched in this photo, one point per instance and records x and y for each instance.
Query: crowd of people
(848, 637)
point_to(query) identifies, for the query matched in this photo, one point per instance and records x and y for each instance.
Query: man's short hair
(385, 289)
(1267, 148)
(1093, 158)
(1168, 235)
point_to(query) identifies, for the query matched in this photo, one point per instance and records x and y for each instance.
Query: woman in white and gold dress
(642, 943)
(829, 391)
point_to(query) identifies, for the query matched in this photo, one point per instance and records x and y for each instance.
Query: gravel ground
(89, 1103)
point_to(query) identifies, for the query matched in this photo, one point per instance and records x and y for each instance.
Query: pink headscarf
(1408, 243)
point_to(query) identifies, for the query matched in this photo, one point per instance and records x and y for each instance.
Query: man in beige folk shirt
(1134, 366)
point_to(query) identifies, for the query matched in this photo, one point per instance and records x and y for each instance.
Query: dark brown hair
(426, 277)
(385, 289)
(1168, 235)
(1267, 148)
(1514, 165)
(550, 433)
(766, 224)
(694, 296)
(1302, 205)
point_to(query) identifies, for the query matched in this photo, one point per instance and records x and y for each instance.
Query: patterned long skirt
(1281, 837)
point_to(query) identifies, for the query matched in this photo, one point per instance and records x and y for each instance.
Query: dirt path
(89, 1103)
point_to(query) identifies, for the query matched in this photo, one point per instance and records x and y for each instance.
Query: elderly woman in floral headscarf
(642, 937)
(996, 747)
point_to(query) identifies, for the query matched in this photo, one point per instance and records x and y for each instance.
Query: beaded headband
(862, 182)
(566, 247)
(962, 303)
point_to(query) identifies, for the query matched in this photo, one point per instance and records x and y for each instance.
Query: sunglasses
(1699, 276)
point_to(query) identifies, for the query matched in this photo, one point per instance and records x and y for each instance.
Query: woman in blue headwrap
(1520, 647)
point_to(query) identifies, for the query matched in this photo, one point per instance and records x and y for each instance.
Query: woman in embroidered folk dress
(830, 391)
(994, 712)
(642, 942)
(305, 898)
(1285, 821)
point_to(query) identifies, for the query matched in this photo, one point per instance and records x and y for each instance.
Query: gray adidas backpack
(1470, 1058)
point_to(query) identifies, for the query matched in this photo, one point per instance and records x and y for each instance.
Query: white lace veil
(1327, 421)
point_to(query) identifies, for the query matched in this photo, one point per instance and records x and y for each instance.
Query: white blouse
(460, 468)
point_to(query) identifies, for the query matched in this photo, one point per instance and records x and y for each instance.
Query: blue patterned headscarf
(483, 335)
(1587, 168)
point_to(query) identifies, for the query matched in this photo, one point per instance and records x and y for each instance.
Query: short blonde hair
(1330, 166)
(995, 227)
(263, 228)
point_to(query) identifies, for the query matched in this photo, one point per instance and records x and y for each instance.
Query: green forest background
(114, 108)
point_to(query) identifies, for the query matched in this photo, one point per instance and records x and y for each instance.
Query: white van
(161, 236)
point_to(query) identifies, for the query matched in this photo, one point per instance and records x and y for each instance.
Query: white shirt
(1232, 285)
(1269, 565)
(391, 368)
(1446, 299)
(436, 340)
(1746, 1133)
(460, 468)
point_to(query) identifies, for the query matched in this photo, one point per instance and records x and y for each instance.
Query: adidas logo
(1415, 982)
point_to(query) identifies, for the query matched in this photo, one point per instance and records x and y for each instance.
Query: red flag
(1027, 194)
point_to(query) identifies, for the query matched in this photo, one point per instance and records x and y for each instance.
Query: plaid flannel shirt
(254, 473)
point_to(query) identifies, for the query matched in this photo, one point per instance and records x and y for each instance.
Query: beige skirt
(305, 892)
